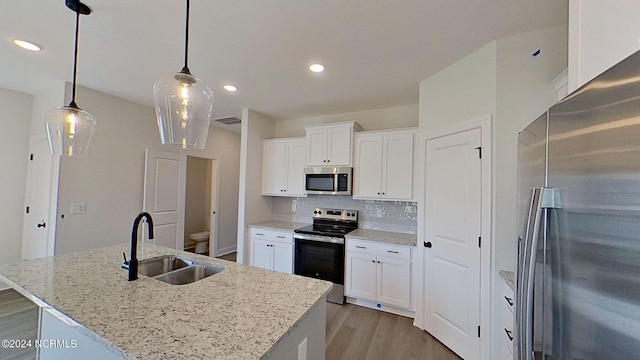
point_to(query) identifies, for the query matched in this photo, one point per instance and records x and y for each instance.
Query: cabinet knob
(378, 192)
(427, 244)
(373, 261)
(378, 261)
(384, 193)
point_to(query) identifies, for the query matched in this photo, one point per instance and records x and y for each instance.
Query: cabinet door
(282, 257)
(360, 276)
(397, 166)
(261, 254)
(295, 169)
(273, 168)
(339, 146)
(394, 280)
(317, 147)
(367, 171)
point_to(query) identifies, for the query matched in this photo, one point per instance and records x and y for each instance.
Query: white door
(451, 252)
(38, 231)
(164, 196)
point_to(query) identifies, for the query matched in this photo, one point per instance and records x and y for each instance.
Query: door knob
(427, 244)
(43, 224)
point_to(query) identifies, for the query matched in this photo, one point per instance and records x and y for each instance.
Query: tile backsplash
(395, 216)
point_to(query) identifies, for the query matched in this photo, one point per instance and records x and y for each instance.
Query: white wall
(253, 207)
(15, 120)
(110, 179)
(462, 91)
(378, 119)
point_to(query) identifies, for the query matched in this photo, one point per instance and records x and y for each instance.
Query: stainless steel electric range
(319, 248)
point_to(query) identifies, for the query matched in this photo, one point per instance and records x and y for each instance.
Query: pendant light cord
(75, 64)
(185, 69)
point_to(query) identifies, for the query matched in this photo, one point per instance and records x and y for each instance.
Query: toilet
(201, 240)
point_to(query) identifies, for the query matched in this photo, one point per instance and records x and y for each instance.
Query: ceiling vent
(229, 120)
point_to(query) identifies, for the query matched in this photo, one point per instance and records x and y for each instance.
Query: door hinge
(31, 157)
(479, 148)
(479, 241)
(478, 330)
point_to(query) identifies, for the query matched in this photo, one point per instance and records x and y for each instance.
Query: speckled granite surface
(508, 278)
(279, 225)
(240, 313)
(384, 236)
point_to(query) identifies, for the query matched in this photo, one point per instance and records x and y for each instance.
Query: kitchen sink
(176, 271)
(189, 274)
(161, 265)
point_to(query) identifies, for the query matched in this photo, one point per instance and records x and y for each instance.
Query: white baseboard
(227, 250)
(377, 306)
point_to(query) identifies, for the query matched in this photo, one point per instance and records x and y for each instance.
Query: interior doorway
(201, 202)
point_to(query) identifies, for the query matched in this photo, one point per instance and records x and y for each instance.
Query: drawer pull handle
(508, 334)
(281, 237)
(509, 300)
(361, 247)
(393, 252)
(261, 234)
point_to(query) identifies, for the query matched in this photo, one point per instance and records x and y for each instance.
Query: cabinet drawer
(273, 235)
(379, 249)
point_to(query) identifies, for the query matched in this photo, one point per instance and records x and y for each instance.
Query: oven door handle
(320, 238)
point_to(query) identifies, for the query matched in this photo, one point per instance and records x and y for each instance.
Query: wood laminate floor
(358, 333)
(18, 320)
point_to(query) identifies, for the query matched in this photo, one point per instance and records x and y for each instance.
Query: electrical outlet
(78, 208)
(302, 350)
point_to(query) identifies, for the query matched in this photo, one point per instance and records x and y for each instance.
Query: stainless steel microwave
(328, 180)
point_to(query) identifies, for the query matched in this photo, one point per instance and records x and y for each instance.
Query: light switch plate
(78, 208)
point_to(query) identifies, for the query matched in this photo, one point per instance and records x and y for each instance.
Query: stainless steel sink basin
(176, 271)
(189, 274)
(161, 265)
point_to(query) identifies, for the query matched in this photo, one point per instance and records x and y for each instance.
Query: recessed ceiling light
(27, 45)
(230, 88)
(316, 68)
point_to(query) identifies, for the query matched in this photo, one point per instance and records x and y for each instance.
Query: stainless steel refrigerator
(578, 272)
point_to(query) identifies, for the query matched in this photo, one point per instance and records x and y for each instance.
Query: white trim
(380, 307)
(484, 123)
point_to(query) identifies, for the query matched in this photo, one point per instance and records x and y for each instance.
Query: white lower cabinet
(59, 339)
(272, 249)
(507, 332)
(379, 273)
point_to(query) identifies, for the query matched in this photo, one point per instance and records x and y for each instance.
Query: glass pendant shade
(183, 106)
(70, 130)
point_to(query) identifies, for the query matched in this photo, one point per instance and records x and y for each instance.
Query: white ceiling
(376, 51)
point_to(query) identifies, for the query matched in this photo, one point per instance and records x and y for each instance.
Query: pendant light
(183, 105)
(70, 128)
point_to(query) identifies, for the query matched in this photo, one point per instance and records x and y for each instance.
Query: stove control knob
(319, 212)
(315, 212)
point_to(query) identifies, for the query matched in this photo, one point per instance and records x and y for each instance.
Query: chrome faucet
(133, 262)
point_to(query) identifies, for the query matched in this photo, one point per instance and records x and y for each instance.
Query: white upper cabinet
(283, 167)
(601, 34)
(330, 145)
(383, 165)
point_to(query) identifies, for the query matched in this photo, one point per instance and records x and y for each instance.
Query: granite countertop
(383, 236)
(239, 313)
(279, 225)
(508, 278)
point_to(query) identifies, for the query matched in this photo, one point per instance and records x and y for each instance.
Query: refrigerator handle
(525, 273)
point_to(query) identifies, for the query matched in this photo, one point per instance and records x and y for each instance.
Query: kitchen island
(242, 312)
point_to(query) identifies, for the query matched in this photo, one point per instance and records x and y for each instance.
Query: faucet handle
(125, 265)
